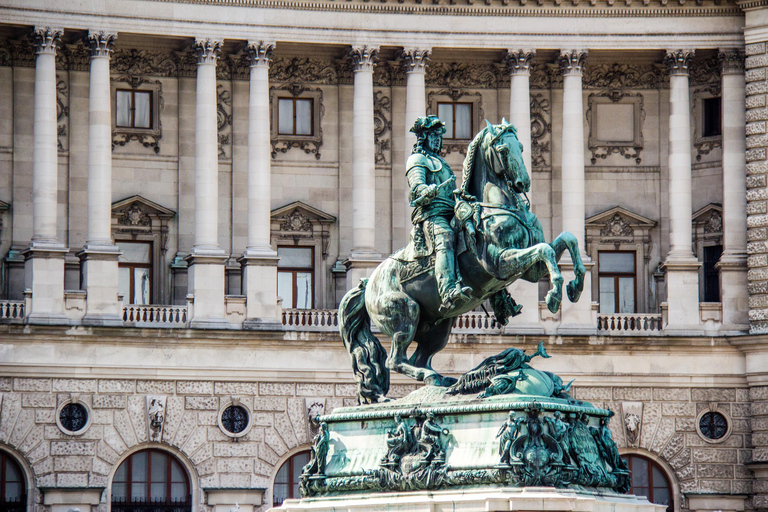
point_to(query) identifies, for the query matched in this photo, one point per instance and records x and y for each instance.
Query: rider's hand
(429, 193)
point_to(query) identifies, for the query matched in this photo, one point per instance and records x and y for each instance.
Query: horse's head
(503, 153)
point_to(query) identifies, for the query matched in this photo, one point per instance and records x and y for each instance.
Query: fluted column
(681, 265)
(99, 256)
(44, 259)
(259, 261)
(363, 257)
(733, 262)
(206, 261)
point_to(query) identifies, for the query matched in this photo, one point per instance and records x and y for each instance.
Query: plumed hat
(427, 124)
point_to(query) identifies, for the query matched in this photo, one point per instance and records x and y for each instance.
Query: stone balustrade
(12, 310)
(153, 315)
(629, 324)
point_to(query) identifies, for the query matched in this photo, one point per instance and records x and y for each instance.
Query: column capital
(572, 61)
(100, 43)
(731, 60)
(416, 59)
(259, 53)
(364, 57)
(519, 61)
(679, 61)
(207, 50)
(45, 39)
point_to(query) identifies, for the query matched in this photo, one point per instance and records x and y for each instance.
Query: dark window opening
(711, 108)
(73, 417)
(151, 481)
(287, 479)
(13, 496)
(457, 118)
(135, 272)
(296, 277)
(617, 282)
(234, 419)
(711, 274)
(649, 480)
(713, 425)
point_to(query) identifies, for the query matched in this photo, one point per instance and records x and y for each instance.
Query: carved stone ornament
(731, 61)
(678, 61)
(309, 144)
(207, 51)
(602, 148)
(623, 76)
(147, 137)
(315, 407)
(155, 417)
(572, 61)
(298, 70)
(134, 217)
(714, 223)
(100, 44)
(541, 130)
(617, 227)
(632, 416)
(461, 75)
(382, 126)
(296, 221)
(140, 63)
(62, 113)
(224, 121)
(416, 59)
(519, 61)
(363, 57)
(46, 39)
(259, 53)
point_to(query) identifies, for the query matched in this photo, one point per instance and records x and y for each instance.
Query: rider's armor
(431, 183)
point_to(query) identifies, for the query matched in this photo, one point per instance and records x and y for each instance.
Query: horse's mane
(469, 161)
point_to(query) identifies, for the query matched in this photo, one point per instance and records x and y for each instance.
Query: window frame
(133, 92)
(281, 142)
(148, 499)
(710, 274)
(453, 105)
(290, 461)
(293, 101)
(616, 276)
(294, 271)
(7, 458)
(651, 465)
(155, 90)
(704, 117)
(134, 266)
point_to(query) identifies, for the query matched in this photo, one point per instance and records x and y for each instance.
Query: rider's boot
(452, 293)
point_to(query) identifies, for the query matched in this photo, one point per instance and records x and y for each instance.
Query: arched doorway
(151, 480)
(287, 479)
(13, 490)
(649, 480)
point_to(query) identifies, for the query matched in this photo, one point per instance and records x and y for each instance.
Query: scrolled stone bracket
(572, 62)
(364, 57)
(259, 53)
(679, 61)
(46, 39)
(207, 50)
(100, 43)
(519, 61)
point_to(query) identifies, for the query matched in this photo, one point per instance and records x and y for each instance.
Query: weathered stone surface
(155, 387)
(207, 467)
(256, 434)
(194, 387)
(268, 455)
(72, 479)
(188, 424)
(262, 468)
(759, 409)
(195, 440)
(591, 394)
(401, 390)
(234, 480)
(38, 400)
(685, 424)
(210, 481)
(46, 481)
(11, 406)
(260, 482)
(24, 423)
(756, 74)
(664, 433)
(73, 447)
(678, 409)
(682, 459)
(758, 393)
(754, 102)
(346, 389)
(713, 395)
(740, 410)
(277, 389)
(756, 61)
(33, 438)
(236, 388)
(125, 428)
(109, 402)
(174, 411)
(43, 467)
(234, 465)
(639, 394)
(75, 385)
(97, 480)
(263, 419)
(269, 404)
(745, 456)
(48, 416)
(210, 418)
(100, 467)
(73, 463)
(760, 438)
(42, 451)
(6, 384)
(273, 441)
(756, 208)
(314, 389)
(106, 452)
(754, 49)
(351, 402)
(215, 434)
(759, 423)
(230, 449)
(741, 486)
(137, 412)
(204, 403)
(284, 429)
(714, 455)
(22, 384)
(757, 168)
(754, 182)
(203, 453)
(296, 413)
(116, 386)
(671, 394)
(714, 471)
(651, 418)
(686, 472)
(740, 426)
(715, 486)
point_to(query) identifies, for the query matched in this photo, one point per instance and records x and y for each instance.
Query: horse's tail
(368, 356)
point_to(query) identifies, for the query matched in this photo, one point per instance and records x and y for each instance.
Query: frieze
(313, 71)
(134, 62)
(74, 57)
(541, 130)
(382, 126)
(224, 121)
(186, 64)
(459, 74)
(706, 71)
(624, 76)
(23, 53)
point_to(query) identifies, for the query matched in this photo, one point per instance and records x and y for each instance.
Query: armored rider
(432, 183)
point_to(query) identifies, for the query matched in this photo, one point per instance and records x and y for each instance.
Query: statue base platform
(477, 500)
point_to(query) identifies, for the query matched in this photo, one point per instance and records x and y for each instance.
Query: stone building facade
(187, 189)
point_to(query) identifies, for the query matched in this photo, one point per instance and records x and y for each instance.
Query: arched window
(151, 480)
(649, 480)
(13, 495)
(287, 479)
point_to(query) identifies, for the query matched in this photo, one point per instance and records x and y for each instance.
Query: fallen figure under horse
(499, 240)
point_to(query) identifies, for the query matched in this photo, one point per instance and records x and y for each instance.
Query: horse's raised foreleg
(566, 240)
(514, 263)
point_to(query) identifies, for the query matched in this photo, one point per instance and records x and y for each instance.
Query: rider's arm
(417, 181)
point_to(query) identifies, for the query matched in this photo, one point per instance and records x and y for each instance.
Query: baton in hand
(420, 201)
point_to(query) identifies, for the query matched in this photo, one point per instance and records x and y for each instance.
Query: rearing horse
(504, 242)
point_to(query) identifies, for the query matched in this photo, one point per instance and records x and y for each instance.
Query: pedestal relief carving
(155, 416)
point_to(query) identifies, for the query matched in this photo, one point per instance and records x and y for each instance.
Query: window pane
(285, 116)
(285, 288)
(177, 474)
(179, 492)
(134, 253)
(158, 492)
(124, 282)
(138, 491)
(12, 491)
(282, 475)
(304, 117)
(159, 468)
(463, 121)
(141, 286)
(294, 257)
(626, 295)
(123, 109)
(11, 472)
(118, 491)
(139, 467)
(617, 262)
(279, 493)
(639, 472)
(661, 496)
(121, 473)
(304, 290)
(607, 296)
(141, 114)
(659, 480)
(445, 113)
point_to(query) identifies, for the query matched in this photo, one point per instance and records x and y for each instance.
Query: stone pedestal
(206, 283)
(100, 277)
(715, 502)
(259, 285)
(683, 297)
(44, 277)
(224, 500)
(66, 500)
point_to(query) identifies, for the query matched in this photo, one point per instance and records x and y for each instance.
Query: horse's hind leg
(566, 240)
(430, 342)
(397, 315)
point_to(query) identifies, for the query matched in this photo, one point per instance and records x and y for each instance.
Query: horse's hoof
(553, 304)
(573, 292)
(438, 380)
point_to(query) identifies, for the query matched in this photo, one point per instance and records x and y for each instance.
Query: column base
(259, 285)
(683, 316)
(44, 280)
(100, 279)
(206, 286)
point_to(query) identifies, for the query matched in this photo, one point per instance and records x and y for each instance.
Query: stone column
(519, 64)
(576, 318)
(259, 261)
(99, 256)
(206, 261)
(681, 265)
(44, 259)
(364, 257)
(733, 262)
(415, 60)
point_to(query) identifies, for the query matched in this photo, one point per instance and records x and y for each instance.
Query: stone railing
(642, 324)
(310, 320)
(12, 311)
(476, 323)
(153, 315)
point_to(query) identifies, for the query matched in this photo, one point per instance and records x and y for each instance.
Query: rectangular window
(133, 109)
(294, 116)
(711, 275)
(296, 276)
(135, 272)
(711, 110)
(457, 118)
(616, 281)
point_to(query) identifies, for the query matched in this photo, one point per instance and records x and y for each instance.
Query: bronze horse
(503, 242)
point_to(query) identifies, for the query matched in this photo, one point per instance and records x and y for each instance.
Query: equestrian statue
(467, 245)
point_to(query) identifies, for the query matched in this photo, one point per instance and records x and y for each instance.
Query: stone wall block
(760, 438)
(758, 393)
(33, 438)
(756, 61)
(234, 465)
(757, 195)
(638, 394)
(211, 482)
(106, 452)
(314, 389)
(615, 424)
(760, 486)
(208, 418)
(6, 384)
(73, 447)
(215, 434)
(651, 417)
(255, 435)
(23, 384)
(202, 403)
(757, 114)
(756, 455)
(97, 480)
(686, 472)
(73, 463)
(401, 390)
(678, 409)
(757, 168)
(75, 385)
(664, 433)
(72, 480)
(234, 480)
(756, 289)
(188, 424)
(351, 402)
(43, 467)
(671, 394)
(37, 400)
(715, 486)
(274, 441)
(195, 440)
(268, 455)
(757, 424)
(113, 439)
(137, 412)
(334, 403)
(45, 481)
(756, 128)
(24, 423)
(262, 468)
(194, 387)
(202, 454)
(757, 233)
(174, 411)
(125, 428)
(754, 49)
(49, 416)
(756, 208)
(230, 449)
(284, 429)
(756, 88)
(277, 389)
(682, 459)
(110, 402)
(757, 260)
(753, 102)
(685, 424)
(740, 410)
(297, 414)
(116, 386)
(236, 388)
(100, 467)
(263, 419)
(268, 404)
(208, 466)
(741, 426)
(259, 482)
(755, 154)
(754, 75)
(11, 407)
(711, 455)
(759, 408)
(155, 387)
(42, 451)
(741, 486)
(724, 471)
(346, 390)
